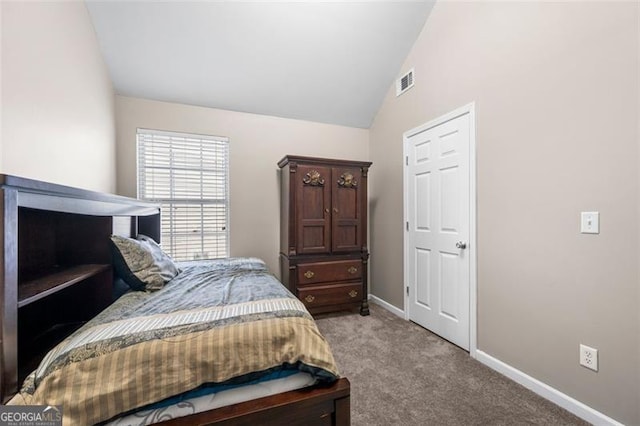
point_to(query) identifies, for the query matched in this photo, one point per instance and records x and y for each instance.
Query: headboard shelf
(56, 280)
(55, 265)
(39, 345)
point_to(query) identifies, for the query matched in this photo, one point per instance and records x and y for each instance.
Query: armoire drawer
(322, 272)
(330, 295)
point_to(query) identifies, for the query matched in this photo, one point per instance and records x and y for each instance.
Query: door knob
(461, 245)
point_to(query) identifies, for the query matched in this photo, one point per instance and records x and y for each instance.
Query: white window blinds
(188, 175)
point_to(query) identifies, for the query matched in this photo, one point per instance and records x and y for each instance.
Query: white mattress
(216, 400)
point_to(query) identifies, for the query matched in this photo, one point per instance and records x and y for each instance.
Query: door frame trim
(472, 245)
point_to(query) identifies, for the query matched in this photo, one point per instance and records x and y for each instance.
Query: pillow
(141, 263)
(119, 288)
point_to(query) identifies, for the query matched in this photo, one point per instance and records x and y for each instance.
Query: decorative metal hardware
(326, 210)
(352, 270)
(353, 293)
(310, 298)
(313, 178)
(335, 210)
(309, 274)
(347, 181)
(461, 245)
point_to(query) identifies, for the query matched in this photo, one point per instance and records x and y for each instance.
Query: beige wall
(257, 143)
(57, 97)
(556, 93)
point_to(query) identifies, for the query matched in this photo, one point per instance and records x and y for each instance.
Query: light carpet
(402, 374)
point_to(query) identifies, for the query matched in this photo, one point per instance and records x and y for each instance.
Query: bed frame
(55, 252)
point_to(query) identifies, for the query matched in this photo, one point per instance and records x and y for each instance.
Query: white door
(438, 181)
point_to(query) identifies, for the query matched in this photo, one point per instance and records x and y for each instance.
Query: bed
(222, 342)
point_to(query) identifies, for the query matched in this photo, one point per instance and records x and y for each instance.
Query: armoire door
(313, 212)
(346, 234)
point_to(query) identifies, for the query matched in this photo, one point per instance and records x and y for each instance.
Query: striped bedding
(225, 321)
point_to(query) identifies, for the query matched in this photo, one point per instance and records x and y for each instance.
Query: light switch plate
(590, 222)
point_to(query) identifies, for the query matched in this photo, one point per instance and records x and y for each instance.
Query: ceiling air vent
(404, 83)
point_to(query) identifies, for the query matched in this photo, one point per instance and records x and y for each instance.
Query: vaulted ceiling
(330, 62)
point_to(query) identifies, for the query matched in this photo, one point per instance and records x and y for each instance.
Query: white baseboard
(388, 306)
(563, 400)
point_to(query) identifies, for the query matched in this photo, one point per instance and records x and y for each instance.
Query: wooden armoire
(323, 232)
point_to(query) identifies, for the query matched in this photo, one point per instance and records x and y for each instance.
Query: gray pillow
(141, 263)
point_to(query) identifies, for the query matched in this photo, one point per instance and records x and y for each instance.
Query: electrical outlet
(589, 357)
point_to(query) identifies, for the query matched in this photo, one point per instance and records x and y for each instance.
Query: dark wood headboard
(56, 269)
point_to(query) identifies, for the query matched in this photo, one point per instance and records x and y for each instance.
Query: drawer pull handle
(309, 274)
(352, 270)
(353, 293)
(309, 298)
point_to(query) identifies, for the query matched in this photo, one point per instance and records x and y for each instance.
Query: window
(188, 175)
